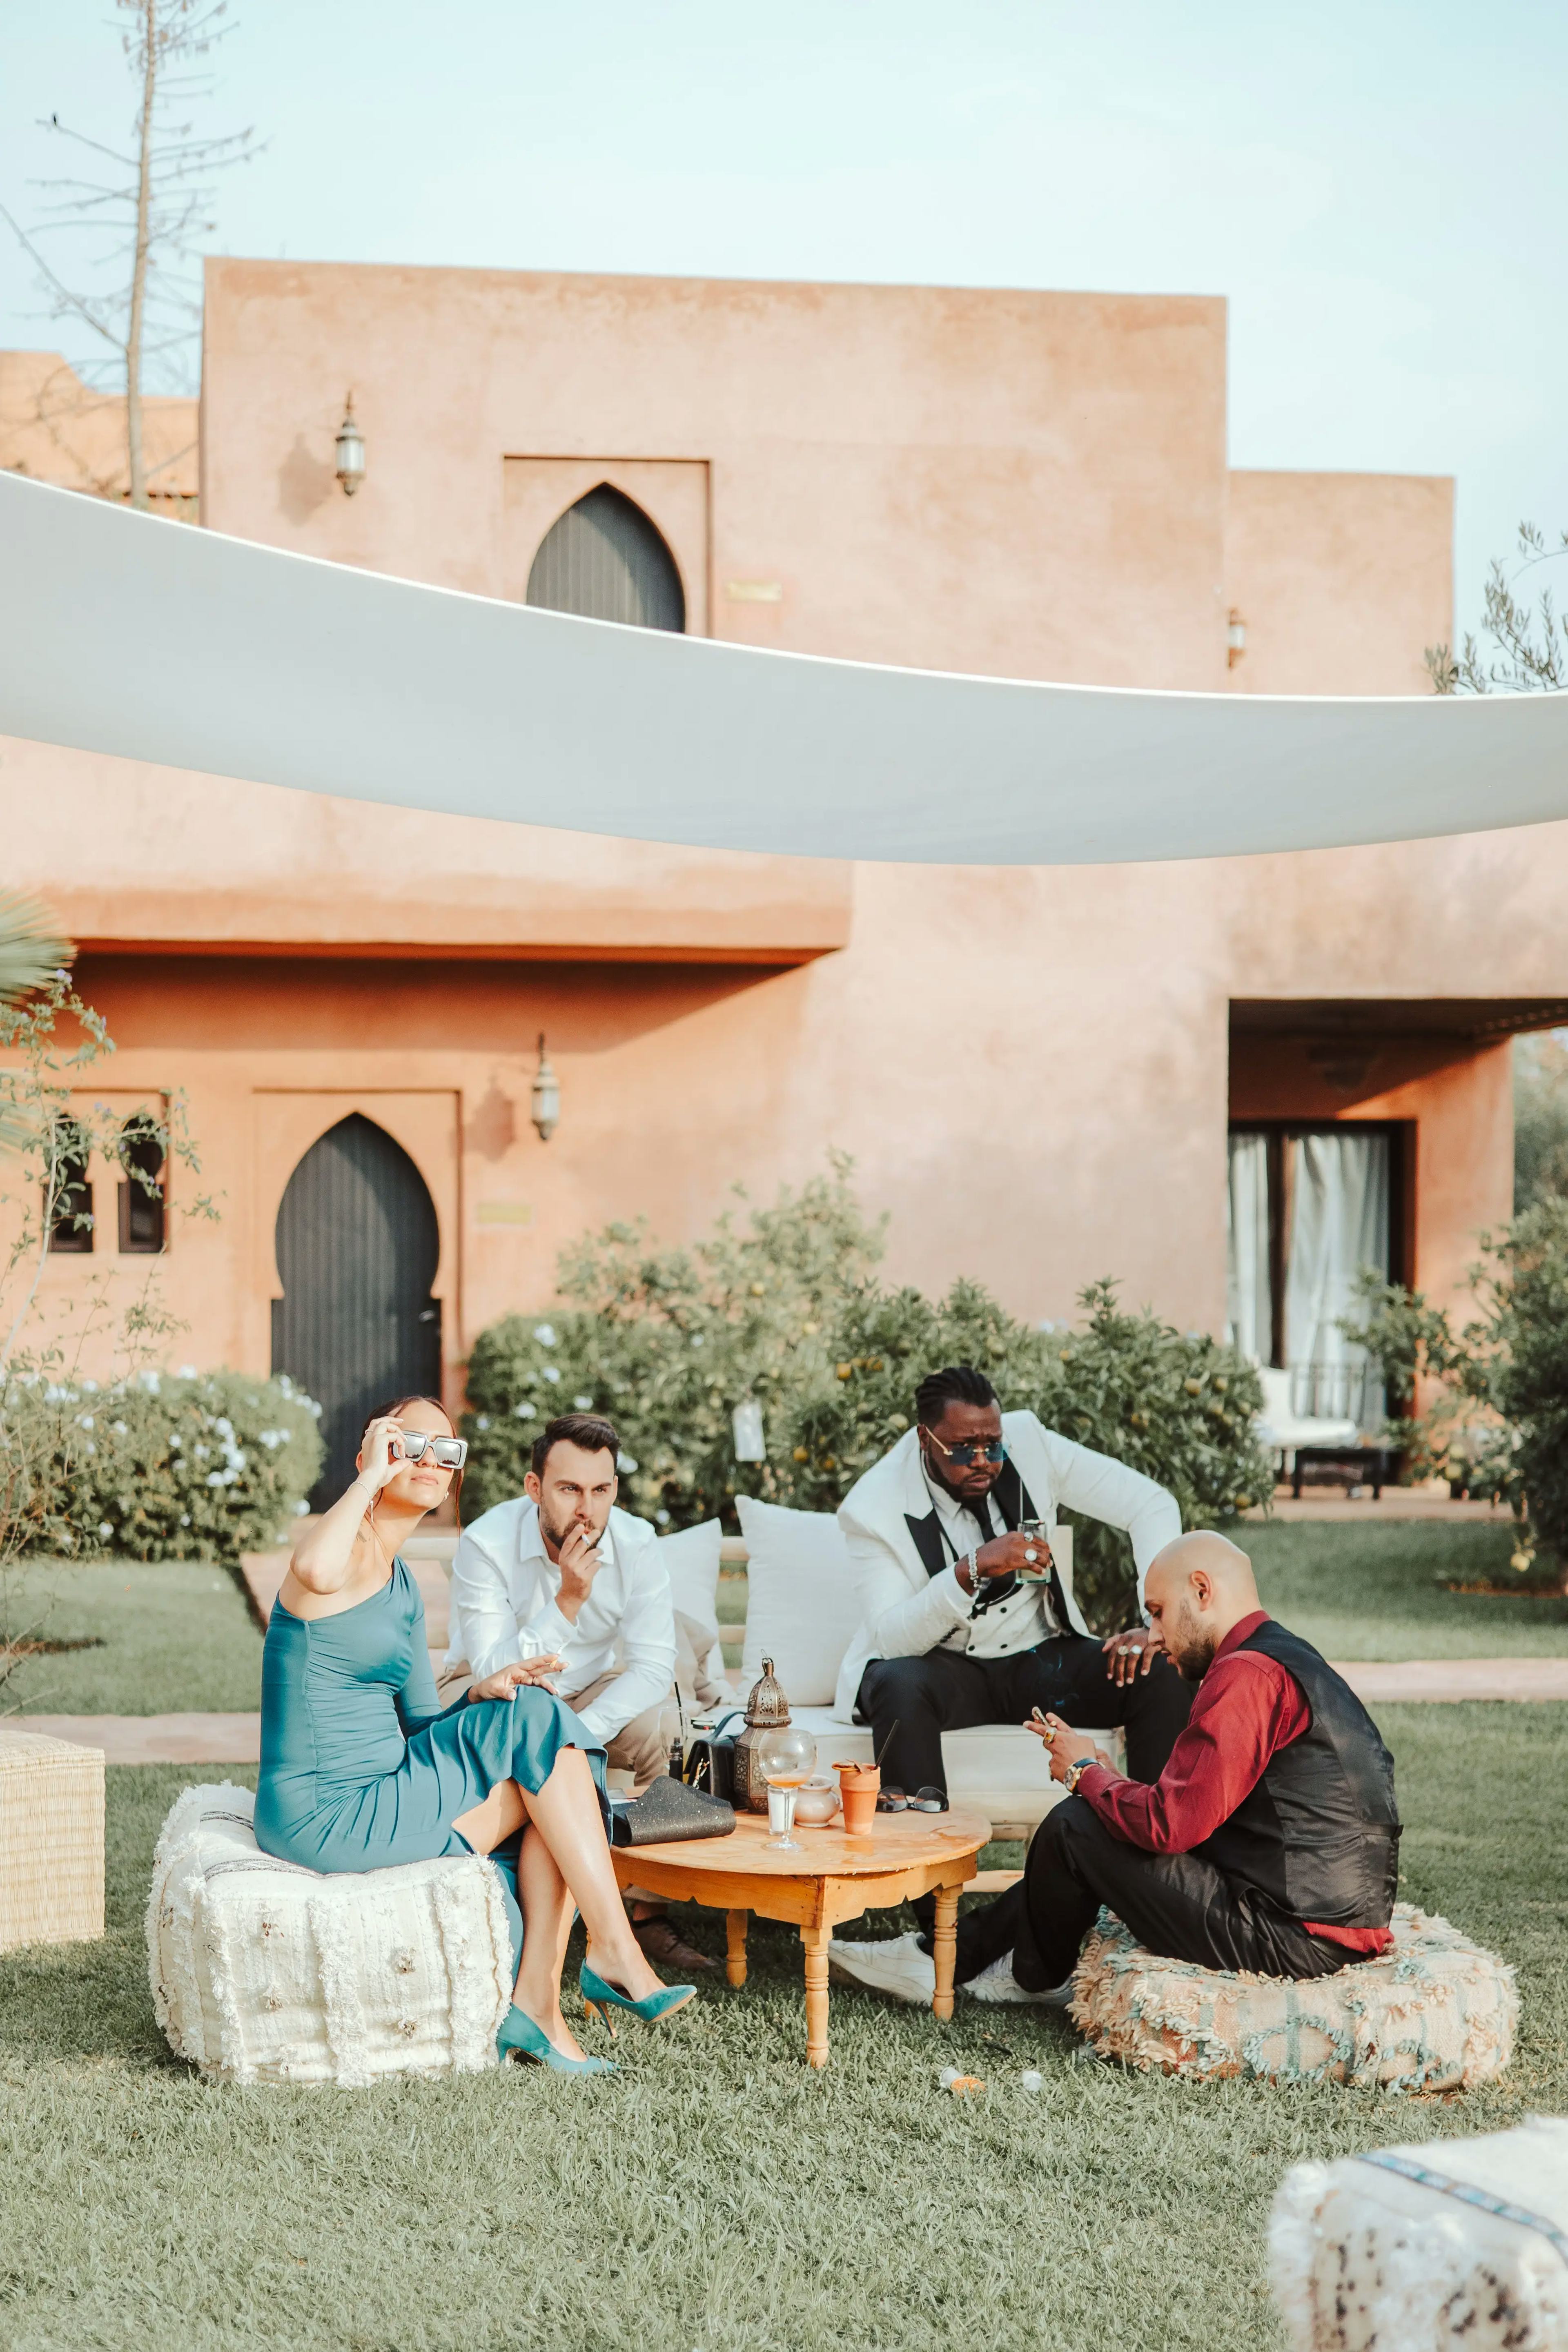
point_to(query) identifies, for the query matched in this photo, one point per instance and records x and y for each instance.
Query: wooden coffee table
(834, 1878)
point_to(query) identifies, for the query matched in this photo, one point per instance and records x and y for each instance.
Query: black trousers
(911, 1701)
(1176, 1905)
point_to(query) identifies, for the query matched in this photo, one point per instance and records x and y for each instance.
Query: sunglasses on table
(990, 1449)
(446, 1453)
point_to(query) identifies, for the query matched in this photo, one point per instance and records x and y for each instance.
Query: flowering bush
(157, 1465)
(788, 1315)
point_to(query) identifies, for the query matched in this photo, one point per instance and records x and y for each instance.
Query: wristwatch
(1075, 1773)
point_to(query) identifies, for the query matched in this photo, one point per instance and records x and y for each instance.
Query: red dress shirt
(1248, 1707)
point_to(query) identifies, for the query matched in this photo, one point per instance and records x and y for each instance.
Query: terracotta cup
(857, 1789)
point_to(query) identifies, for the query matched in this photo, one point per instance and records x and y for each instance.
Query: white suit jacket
(504, 1587)
(910, 1596)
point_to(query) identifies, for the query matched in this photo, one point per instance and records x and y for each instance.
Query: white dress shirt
(1025, 1617)
(505, 1589)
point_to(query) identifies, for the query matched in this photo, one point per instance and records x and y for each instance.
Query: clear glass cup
(1038, 1532)
(786, 1759)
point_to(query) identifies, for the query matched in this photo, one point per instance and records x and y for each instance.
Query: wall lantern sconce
(544, 1104)
(1235, 639)
(351, 451)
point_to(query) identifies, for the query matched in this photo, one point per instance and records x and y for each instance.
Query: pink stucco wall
(1031, 1067)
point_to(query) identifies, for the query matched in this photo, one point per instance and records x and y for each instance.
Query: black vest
(1320, 1833)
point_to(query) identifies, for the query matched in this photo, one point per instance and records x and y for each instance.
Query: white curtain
(1339, 1222)
(1249, 1305)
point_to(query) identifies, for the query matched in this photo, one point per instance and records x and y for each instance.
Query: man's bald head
(1196, 1590)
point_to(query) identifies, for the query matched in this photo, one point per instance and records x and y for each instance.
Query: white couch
(802, 1613)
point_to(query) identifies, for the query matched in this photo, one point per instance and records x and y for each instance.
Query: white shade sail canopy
(128, 634)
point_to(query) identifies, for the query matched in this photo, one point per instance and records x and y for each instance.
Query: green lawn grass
(179, 1636)
(716, 2194)
(1379, 1590)
(176, 1634)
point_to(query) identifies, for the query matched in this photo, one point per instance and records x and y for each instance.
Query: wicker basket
(51, 1841)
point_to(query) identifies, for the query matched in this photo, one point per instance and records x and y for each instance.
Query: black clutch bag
(667, 1810)
(710, 1756)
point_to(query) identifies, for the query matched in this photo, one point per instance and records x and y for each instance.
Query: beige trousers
(636, 1749)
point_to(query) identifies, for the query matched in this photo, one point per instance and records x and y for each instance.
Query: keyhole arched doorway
(358, 1244)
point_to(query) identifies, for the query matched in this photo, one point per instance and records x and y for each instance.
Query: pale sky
(1379, 187)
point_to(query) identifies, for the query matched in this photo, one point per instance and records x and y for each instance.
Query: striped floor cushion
(1435, 2012)
(263, 1972)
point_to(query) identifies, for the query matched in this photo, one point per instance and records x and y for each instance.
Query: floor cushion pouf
(263, 1972)
(1452, 2243)
(1435, 2012)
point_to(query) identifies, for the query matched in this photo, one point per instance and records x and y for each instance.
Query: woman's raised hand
(380, 1454)
(527, 1670)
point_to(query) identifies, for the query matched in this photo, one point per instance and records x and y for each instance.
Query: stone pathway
(237, 1738)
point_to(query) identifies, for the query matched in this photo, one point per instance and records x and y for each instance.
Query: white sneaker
(998, 1983)
(897, 1967)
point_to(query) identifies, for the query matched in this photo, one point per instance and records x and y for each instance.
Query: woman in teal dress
(362, 1768)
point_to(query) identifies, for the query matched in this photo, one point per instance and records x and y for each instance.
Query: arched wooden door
(608, 561)
(358, 1246)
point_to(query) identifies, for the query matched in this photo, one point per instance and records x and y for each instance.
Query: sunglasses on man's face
(446, 1453)
(990, 1449)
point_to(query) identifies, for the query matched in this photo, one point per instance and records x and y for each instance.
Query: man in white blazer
(964, 1620)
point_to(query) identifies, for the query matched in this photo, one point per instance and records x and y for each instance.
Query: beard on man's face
(556, 1531)
(1191, 1647)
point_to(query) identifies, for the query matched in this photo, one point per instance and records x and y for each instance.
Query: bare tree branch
(150, 223)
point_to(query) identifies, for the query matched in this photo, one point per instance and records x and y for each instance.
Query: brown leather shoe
(660, 1943)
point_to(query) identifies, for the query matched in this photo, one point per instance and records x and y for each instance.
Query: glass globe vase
(786, 1758)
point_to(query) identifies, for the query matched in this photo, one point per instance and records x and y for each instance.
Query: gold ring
(1047, 1735)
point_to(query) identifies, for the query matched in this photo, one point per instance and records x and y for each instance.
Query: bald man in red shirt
(1269, 1843)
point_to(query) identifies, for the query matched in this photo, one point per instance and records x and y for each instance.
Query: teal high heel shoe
(599, 1998)
(519, 2031)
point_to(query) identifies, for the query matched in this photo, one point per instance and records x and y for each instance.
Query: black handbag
(666, 1811)
(710, 1760)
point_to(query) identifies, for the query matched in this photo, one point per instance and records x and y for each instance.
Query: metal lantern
(767, 1709)
(351, 451)
(544, 1106)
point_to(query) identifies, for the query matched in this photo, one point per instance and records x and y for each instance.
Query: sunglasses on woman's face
(446, 1453)
(990, 1449)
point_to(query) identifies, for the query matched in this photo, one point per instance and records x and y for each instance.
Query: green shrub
(158, 1465)
(788, 1312)
(1176, 1405)
(668, 1342)
(1494, 1395)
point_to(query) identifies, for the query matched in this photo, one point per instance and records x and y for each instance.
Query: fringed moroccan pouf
(1435, 2012)
(1456, 2242)
(263, 1972)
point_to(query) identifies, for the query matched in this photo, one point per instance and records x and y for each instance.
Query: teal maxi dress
(361, 1767)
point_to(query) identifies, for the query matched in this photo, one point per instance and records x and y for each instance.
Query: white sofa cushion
(801, 1609)
(692, 1559)
(266, 1972)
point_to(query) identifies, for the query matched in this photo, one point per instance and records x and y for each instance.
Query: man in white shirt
(559, 1572)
